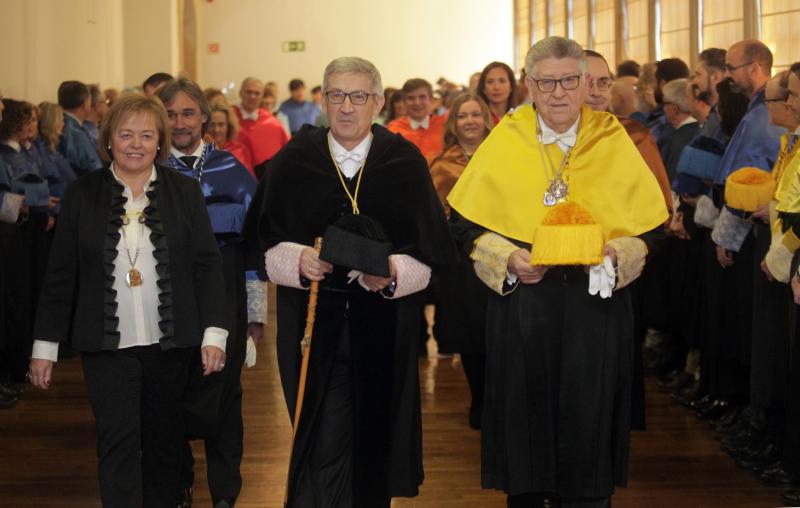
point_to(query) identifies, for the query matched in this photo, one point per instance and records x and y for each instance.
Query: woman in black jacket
(131, 281)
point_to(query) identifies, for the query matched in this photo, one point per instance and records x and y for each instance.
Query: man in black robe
(358, 442)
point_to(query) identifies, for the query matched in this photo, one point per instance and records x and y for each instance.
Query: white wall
(115, 43)
(118, 43)
(405, 39)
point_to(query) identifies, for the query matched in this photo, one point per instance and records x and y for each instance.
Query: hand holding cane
(305, 345)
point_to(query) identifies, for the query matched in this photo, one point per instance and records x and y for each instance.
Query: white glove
(602, 278)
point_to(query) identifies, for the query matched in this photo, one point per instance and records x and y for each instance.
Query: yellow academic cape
(787, 190)
(503, 187)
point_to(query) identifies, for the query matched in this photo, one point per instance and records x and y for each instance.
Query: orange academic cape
(429, 141)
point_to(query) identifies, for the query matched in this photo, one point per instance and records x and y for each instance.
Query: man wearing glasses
(358, 439)
(556, 417)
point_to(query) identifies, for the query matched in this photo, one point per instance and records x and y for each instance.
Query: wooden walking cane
(305, 345)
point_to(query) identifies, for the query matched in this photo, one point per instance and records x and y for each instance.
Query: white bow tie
(567, 138)
(253, 115)
(353, 156)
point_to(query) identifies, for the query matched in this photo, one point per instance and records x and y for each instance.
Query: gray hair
(353, 65)
(553, 47)
(192, 90)
(677, 92)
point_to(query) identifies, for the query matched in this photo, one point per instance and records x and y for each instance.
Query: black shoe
(780, 477)
(702, 403)
(186, 502)
(765, 456)
(728, 418)
(791, 497)
(11, 390)
(677, 382)
(7, 402)
(688, 396)
(715, 410)
(475, 416)
(224, 504)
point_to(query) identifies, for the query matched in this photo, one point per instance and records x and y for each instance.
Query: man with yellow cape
(567, 183)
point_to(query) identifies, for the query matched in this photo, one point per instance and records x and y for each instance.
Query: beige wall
(410, 38)
(115, 43)
(118, 43)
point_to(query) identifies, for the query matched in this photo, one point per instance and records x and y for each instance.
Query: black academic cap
(357, 242)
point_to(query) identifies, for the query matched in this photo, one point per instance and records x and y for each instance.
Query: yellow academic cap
(749, 189)
(568, 235)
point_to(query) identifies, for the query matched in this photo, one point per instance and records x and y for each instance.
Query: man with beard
(214, 403)
(754, 143)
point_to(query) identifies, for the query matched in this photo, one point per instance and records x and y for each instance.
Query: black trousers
(135, 395)
(224, 449)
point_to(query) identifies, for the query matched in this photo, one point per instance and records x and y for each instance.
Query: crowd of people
(575, 228)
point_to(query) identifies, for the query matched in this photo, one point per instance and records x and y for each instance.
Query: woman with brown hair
(497, 88)
(461, 296)
(131, 284)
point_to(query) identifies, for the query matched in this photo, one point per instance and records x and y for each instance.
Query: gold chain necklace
(354, 196)
(558, 188)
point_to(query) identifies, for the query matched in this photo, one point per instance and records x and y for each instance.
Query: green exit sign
(294, 46)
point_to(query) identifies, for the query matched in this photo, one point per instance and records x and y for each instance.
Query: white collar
(13, 144)
(564, 140)
(350, 160)
(67, 113)
(127, 187)
(687, 121)
(197, 153)
(416, 125)
(253, 115)
(796, 130)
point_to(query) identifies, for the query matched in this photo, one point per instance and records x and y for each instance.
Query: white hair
(553, 47)
(353, 65)
(677, 92)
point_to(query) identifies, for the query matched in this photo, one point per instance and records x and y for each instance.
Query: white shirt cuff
(45, 350)
(214, 336)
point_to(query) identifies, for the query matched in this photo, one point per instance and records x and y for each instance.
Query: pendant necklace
(134, 277)
(558, 188)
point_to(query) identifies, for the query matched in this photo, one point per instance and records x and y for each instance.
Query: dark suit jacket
(78, 303)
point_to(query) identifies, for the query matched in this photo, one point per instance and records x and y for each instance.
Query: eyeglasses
(732, 68)
(357, 98)
(549, 85)
(602, 83)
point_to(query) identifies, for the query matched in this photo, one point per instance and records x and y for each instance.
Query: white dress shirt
(564, 140)
(197, 153)
(416, 125)
(350, 160)
(137, 306)
(252, 115)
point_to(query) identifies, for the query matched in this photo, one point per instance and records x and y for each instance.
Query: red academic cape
(264, 137)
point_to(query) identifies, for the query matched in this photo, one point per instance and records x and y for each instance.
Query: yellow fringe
(572, 244)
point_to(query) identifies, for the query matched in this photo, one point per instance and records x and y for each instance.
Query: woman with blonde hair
(461, 296)
(51, 125)
(223, 127)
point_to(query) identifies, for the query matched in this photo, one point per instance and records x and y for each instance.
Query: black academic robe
(302, 195)
(559, 363)
(673, 146)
